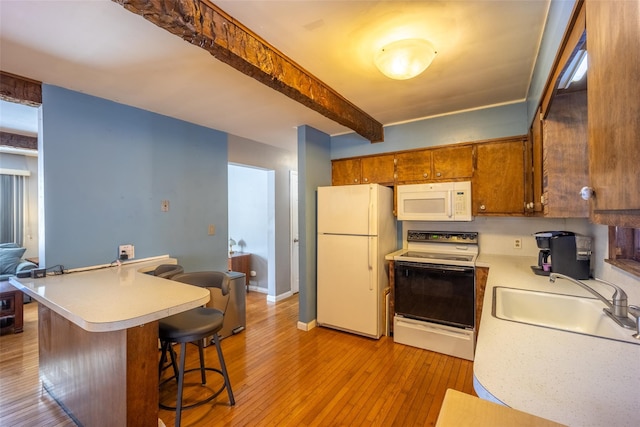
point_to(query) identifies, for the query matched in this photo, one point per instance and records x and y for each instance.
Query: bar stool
(167, 271)
(193, 326)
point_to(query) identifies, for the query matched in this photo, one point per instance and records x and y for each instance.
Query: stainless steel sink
(557, 311)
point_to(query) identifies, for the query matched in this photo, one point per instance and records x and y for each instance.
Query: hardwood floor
(280, 376)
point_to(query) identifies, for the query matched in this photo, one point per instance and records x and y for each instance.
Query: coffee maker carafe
(563, 252)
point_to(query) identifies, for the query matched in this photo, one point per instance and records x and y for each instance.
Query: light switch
(212, 229)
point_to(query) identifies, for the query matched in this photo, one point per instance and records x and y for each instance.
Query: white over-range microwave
(442, 201)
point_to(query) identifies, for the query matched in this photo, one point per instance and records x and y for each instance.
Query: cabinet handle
(366, 180)
(425, 175)
(355, 180)
(438, 174)
(483, 207)
(586, 193)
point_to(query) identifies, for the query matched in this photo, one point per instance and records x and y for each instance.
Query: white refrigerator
(356, 229)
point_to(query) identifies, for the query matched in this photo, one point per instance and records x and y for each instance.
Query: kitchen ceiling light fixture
(404, 59)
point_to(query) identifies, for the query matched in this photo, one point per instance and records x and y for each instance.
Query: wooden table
(11, 307)
(98, 339)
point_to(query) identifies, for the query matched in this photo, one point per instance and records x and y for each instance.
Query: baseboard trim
(307, 326)
(280, 297)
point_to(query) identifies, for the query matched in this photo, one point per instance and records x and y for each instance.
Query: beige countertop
(573, 379)
(113, 298)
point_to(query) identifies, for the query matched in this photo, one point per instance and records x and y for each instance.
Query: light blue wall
(107, 167)
(314, 170)
(494, 122)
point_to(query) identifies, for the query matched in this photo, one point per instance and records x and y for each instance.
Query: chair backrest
(167, 271)
(206, 279)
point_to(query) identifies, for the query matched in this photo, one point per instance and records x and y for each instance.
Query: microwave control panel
(443, 236)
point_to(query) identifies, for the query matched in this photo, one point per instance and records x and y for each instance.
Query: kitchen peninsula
(98, 339)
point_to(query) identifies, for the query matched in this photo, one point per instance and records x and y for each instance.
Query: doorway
(252, 222)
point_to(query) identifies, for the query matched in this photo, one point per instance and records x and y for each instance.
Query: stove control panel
(443, 237)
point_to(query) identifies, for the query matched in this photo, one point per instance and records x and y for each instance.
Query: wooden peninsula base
(100, 378)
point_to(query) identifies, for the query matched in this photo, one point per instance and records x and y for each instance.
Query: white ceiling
(486, 53)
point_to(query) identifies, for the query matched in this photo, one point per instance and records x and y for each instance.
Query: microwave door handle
(449, 203)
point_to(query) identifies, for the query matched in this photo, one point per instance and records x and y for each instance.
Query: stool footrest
(201, 402)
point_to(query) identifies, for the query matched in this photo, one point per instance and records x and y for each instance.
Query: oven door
(442, 294)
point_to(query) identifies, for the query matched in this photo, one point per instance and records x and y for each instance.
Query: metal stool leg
(183, 351)
(227, 383)
(202, 372)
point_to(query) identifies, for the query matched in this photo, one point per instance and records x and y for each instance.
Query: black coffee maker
(563, 252)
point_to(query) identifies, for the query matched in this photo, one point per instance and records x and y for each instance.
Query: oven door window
(436, 293)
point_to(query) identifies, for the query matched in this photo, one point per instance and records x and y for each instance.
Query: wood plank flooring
(280, 376)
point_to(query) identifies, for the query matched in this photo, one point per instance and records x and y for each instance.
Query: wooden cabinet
(565, 164)
(413, 166)
(498, 184)
(11, 311)
(240, 262)
(378, 169)
(450, 163)
(345, 171)
(613, 36)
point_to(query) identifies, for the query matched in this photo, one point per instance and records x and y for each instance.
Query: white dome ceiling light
(405, 59)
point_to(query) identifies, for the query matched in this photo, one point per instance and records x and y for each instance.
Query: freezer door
(348, 209)
(349, 295)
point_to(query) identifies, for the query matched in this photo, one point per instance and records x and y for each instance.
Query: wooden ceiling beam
(20, 89)
(18, 141)
(203, 24)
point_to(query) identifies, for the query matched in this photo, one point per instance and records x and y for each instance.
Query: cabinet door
(536, 147)
(613, 89)
(453, 162)
(413, 166)
(345, 171)
(378, 169)
(565, 160)
(498, 181)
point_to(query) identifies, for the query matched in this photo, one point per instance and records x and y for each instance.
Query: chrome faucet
(617, 309)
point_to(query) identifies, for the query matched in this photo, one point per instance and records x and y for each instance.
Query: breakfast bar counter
(98, 339)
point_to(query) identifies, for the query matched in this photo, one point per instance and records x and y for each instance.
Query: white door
(348, 295)
(295, 242)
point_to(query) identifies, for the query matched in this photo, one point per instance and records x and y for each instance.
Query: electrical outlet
(517, 243)
(164, 206)
(125, 252)
(212, 229)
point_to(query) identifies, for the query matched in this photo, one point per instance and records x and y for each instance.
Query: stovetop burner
(453, 248)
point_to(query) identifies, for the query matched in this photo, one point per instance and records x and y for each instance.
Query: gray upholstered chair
(193, 326)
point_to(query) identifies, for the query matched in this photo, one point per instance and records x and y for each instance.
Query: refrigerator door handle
(369, 251)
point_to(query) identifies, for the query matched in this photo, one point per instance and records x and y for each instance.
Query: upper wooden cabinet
(451, 163)
(565, 161)
(378, 169)
(413, 166)
(613, 44)
(447, 163)
(363, 170)
(498, 184)
(346, 172)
